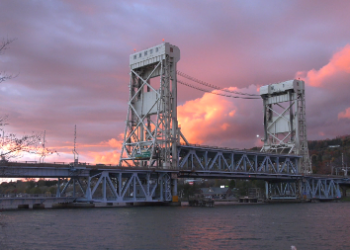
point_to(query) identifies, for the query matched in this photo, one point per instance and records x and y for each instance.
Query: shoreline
(226, 203)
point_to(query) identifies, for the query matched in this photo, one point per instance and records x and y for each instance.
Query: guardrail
(62, 163)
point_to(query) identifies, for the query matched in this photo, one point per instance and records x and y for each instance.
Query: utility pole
(43, 152)
(75, 153)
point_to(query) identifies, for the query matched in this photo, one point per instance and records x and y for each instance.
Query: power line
(208, 91)
(213, 86)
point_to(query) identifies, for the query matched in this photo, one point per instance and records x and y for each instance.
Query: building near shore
(219, 193)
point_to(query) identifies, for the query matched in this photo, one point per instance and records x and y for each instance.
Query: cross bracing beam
(321, 188)
(307, 188)
(282, 191)
(120, 186)
(217, 159)
(125, 187)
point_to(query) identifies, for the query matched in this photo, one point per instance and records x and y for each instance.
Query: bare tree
(3, 46)
(12, 146)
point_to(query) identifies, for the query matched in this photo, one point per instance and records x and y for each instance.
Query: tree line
(329, 153)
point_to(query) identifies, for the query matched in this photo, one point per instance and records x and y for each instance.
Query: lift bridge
(155, 153)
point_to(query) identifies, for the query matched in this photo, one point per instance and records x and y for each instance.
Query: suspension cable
(212, 86)
(208, 91)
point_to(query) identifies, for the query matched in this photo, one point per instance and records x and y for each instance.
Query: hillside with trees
(327, 154)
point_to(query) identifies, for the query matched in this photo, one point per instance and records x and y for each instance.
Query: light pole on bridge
(343, 168)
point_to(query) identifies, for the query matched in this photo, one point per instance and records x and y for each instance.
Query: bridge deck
(100, 183)
(194, 161)
(48, 170)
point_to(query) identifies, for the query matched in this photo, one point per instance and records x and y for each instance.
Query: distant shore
(225, 203)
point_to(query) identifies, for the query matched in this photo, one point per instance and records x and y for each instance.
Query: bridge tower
(285, 121)
(151, 131)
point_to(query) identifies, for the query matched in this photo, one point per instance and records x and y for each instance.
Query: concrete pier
(32, 202)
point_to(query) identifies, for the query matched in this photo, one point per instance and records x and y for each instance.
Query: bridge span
(155, 153)
(119, 184)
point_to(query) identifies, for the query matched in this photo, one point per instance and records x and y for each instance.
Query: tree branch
(4, 46)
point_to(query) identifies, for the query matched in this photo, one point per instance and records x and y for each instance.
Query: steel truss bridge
(153, 156)
(116, 184)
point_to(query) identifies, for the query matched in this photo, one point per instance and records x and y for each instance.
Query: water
(277, 226)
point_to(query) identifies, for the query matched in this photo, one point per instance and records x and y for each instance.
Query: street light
(342, 159)
(332, 167)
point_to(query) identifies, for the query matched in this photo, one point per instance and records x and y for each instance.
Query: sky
(71, 59)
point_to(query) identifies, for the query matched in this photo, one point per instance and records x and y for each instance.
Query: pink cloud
(77, 73)
(321, 133)
(116, 143)
(221, 121)
(339, 63)
(345, 114)
(327, 96)
(106, 152)
(106, 157)
(203, 116)
(109, 157)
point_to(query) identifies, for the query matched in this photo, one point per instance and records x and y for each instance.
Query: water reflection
(307, 226)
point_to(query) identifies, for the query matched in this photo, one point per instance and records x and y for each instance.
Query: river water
(271, 226)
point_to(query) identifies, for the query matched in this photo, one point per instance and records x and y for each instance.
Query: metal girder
(122, 187)
(211, 159)
(281, 191)
(309, 188)
(321, 189)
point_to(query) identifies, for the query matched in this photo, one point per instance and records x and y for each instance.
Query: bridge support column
(174, 195)
(88, 195)
(74, 192)
(174, 191)
(299, 189)
(58, 191)
(266, 190)
(343, 189)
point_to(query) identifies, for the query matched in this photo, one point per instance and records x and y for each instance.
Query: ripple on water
(278, 226)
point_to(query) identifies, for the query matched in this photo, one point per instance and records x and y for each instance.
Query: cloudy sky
(71, 58)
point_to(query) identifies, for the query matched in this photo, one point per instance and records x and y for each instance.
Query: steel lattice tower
(151, 131)
(285, 120)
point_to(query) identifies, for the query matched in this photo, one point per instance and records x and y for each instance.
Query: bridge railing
(37, 163)
(23, 195)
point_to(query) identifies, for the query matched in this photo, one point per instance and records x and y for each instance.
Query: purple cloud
(73, 62)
